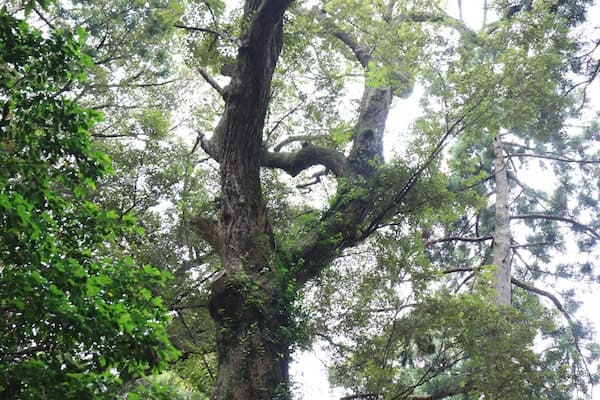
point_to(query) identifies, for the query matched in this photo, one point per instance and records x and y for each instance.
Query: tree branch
(208, 229)
(563, 311)
(292, 139)
(361, 54)
(316, 178)
(555, 158)
(215, 85)
(445, 19)
(280, 120)
(208, 145)
(43, 18)
(308, 156)
(206, 30)
(459, 239)
(571, 221)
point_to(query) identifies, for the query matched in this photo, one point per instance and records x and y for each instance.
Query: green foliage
(443, 340)
(76, 323)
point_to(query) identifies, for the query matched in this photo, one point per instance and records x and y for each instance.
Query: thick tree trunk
(247, 303)
(502, 251)
(250, 299)
(252, 347)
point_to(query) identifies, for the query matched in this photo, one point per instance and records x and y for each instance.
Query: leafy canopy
(76, 319)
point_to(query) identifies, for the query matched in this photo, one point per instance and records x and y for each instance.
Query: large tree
(264, 266)
(513, 83)
(286, 123)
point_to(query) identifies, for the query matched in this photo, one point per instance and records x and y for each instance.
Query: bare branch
(459, 239)
(112, 136)
(43, 18)
(563, 311)
(453, 270)
(515, 178)
(128, 83)
(283, 118)
(209, 79)
(571, 221)
(316, 178)
(445, 19)
(206, 30)
(555, 158)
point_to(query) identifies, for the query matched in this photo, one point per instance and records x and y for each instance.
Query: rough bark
(252, 352)
(502, 249)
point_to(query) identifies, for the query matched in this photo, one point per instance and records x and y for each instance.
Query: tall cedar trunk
(502, 253)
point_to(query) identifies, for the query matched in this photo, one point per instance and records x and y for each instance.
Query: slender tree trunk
(502, 251)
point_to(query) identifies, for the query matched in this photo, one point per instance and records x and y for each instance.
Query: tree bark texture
(252, 353)
(502, 250)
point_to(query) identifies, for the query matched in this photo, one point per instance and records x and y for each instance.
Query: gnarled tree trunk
(252, 353)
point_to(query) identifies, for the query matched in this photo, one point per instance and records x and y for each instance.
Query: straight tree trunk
(502, 251)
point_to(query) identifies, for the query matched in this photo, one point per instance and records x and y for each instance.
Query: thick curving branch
(309, 155)
(291, 162)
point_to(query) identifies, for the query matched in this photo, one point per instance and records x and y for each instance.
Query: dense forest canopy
(192, 190)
